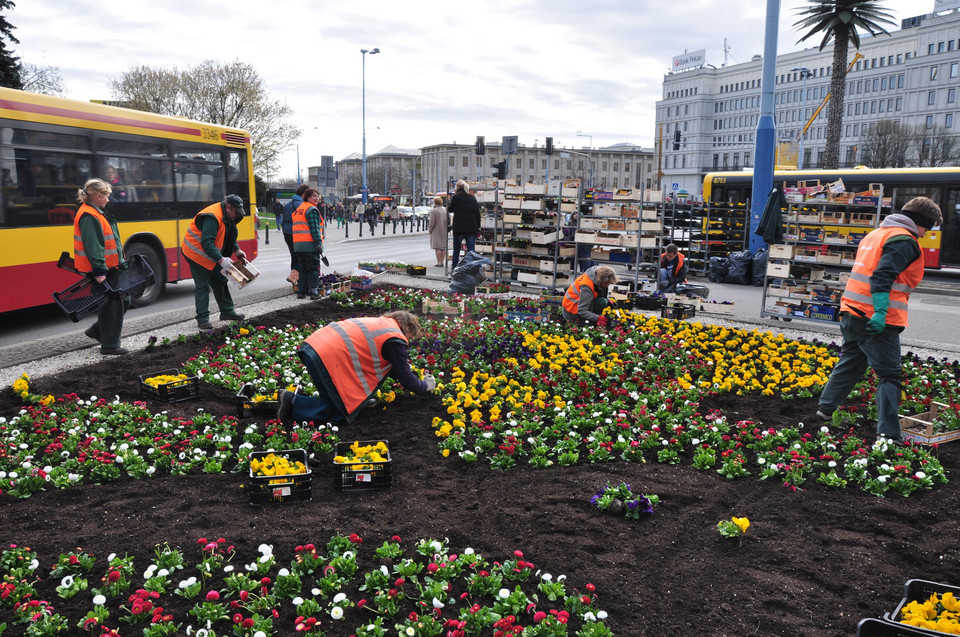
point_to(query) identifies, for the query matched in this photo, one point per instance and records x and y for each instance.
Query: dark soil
(813, 563)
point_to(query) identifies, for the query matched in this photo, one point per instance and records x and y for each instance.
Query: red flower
(356, 539)
(212, 596)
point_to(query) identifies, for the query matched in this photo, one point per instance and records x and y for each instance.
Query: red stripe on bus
(92, 117)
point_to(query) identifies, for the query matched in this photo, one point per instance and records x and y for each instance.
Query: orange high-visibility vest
(571, 299)
(680, 259)
(856, 294)
(192, 247)
(351, 353)
(111, 254)
(301, 228)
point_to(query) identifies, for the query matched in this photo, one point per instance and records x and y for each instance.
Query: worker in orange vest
(348, 360)
(673, 270)
(97, 249)
(873, 312)
(586, 297)
(207, 246)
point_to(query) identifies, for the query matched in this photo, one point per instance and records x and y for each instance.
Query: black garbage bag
(760, 267)
(738, 271)
(693, 290)
(718, 269)
(468, 274)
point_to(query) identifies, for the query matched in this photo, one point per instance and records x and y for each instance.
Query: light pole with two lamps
(804, 73)
(363, 53)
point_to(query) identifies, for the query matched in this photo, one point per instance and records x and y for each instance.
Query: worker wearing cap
(208, 245)
(873, 311)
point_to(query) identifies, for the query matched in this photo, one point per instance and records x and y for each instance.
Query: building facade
(707, 117)
(389, 172)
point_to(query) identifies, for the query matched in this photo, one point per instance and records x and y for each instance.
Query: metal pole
(803, 109)
(363, 101)
(766, 127)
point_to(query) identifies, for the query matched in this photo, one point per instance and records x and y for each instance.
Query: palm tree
(840, 21)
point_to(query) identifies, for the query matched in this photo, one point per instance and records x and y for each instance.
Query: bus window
(237, 182)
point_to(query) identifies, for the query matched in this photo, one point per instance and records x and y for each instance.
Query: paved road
(34, 334)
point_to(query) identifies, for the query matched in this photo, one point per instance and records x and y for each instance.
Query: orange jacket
(301, 227)
(351, 352)
(571, 299)
(192, 248)
(680, 259)
(857, 299)
(111, 254)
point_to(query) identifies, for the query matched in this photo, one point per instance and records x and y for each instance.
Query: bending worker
(207, 246)
(673, 270)
(873, 311)
(348, 360)
(587, 296)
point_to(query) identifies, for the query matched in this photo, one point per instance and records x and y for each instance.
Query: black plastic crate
(131, 279)
(81, 299)
(296, 487)
(416, 270)
(362, 476)
(920, 590)
(871, 627)
(173, 392)
(678, 312)
(649, 302)
(66, 263)
(247, 407)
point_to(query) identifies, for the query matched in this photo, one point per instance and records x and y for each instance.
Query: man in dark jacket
(466, 219)
(673, 270)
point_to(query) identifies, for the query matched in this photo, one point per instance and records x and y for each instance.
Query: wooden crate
(544, 237)
(919, 429)
(725, 309)
(511, 204)
(532, 204)
(594, 223)
(585, 237)
(781, 252)
(829, 257)
(606, 238)
(441, 307)
(512, 217)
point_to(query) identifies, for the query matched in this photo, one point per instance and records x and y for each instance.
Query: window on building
(866, 86)
(543, 164)
(948, 120)
(900, 81)
(951, 95)
(930, 48)
(899, 58)
(686, 109)
(933, 72)
(950, 45)
(876, 84)
(899, 103)
(880, 106)
(929, 121)
(603, 166)
(873, 107)
(953, 69)
(615, 180)
(466, 162)
(940, 47)
(931, 98)
(450, 161)
(556, 164)
(626, 166)
(883, 84)
(883, 62)
(856, 109)
(616, 166)
(856, 129)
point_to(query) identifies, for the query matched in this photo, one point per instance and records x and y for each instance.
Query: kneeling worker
(587, 296)
(673, 270)
(348, 360)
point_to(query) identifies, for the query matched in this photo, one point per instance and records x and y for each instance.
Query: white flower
(832, 464)
(560, 578)
(228, 568)
(265, 549)
(67, 581)
(315, 591)
(99, 600)
(163, 572)
(504, 593)
(384, 570)
(265, 558)
(297, 601)
(547, 577)
(589, 617)
(34, 564)
(921, 475)
(761, 460)
(468, 551)
(339, 597)
(437, 603)
(882, 478)
(283, 572)
(410, 631)
(259, 633)
(336, 612)
(601, 615)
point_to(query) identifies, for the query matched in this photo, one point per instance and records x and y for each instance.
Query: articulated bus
(941, 248)
(163, 171)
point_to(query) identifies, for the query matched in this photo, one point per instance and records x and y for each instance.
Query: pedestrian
(873, 312)
(288, 209)
(308, 225)
(339, 212)
(438, 227)
(207, 246)
(370, 216)
(586, 297)
(97, 249)
(358, 213)
(466, 220)
(672, 271)
(348, 361)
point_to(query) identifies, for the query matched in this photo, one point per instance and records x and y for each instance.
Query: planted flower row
(339, 588)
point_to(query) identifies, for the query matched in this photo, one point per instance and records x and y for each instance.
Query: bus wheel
(152, 292)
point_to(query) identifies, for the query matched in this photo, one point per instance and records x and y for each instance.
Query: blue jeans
(471, 240)
(664, 284)
(859, 351)
(321, 407)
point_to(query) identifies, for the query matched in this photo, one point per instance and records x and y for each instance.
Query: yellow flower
(743, 523)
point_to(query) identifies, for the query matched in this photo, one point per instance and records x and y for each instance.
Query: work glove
(226, 264)
(877, 322)
(430, 381)
(242, 256)
(602, 321)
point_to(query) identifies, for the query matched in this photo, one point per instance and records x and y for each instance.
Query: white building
(910, 76)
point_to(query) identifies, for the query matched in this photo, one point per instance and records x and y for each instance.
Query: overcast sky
(447, 72)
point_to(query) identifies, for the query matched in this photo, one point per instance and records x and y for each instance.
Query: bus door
(940, 247)
(950, 230)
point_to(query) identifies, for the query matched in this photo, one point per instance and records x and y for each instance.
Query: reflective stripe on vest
(571, 300)
(301, 227)
(351, 353)
(111, 254)
(192, 247)
(857, 299)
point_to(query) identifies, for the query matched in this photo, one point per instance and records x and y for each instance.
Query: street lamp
(804, 73)
(579, 134)
(363, 76)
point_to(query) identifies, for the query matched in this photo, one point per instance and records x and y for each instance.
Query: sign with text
(689, 60)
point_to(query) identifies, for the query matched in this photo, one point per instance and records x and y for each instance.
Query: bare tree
(226, 94)
(42, 79)
(934, 146)
(886, 144)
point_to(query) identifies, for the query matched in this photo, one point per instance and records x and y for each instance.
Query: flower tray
(416, 270)
(919, 429)
(725, 309)
(678, 312)
(81, 299)
(173, 392)
(364, 283)
(296, 487)
(871, 627)
(430, 306)
(540, 316)
(649, 302)
(247, 406)
(918, 590)
(362, 476)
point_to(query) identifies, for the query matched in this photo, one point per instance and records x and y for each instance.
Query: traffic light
(549, 150)
(500, 171)
(676, 139)
(481, 148)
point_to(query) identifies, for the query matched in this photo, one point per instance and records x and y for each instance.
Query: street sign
(674, 186)
(510, 145)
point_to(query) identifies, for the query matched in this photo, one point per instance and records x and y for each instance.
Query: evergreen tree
(9, 63)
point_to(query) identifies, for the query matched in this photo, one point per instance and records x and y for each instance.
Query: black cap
(923, 211)
(236, 202)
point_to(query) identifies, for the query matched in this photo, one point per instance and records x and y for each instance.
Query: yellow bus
(163, 171)
(941, 248)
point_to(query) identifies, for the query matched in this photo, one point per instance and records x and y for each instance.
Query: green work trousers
(205, 280)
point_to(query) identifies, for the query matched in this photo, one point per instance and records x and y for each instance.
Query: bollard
(346, 226)
(266, 237)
